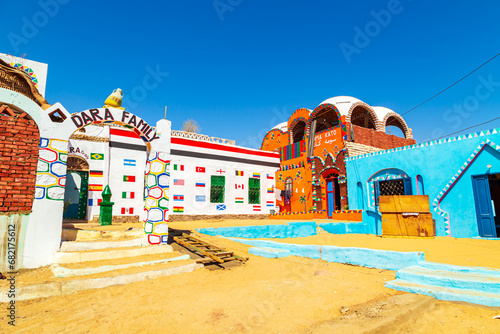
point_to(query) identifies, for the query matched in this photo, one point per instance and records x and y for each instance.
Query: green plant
(302, 200)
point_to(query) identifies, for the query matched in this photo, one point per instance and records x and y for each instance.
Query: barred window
(253, 191)
(217, 185)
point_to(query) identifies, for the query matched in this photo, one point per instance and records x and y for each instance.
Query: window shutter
(376, 187)
(407, 183)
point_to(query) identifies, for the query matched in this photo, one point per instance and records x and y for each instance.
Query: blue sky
(239, 67)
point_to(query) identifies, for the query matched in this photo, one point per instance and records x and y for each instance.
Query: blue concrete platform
(290, 230)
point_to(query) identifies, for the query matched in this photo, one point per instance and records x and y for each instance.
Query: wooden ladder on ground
(210, 252)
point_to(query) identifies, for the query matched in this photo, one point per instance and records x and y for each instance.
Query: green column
(106, 214)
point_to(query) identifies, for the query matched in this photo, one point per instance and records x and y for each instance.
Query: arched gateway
(157, 169)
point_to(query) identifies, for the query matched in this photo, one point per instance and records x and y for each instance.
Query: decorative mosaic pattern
(292, 166)
(270, 136)
(315, 211)
(429, 143)
(319, 108)
(156, 192)
(292, 125)
(27, 70)
(51, 169)
(437, 201)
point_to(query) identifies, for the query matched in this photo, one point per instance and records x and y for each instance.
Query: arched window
(325, 119)
(420, 185)
(393, 126)
(299, 131)
(289, 185)
(362, 117)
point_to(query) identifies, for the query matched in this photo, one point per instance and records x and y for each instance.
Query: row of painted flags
(198, 169)
(126, 162)
(219, 207)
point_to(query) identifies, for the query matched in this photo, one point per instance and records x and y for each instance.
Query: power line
(470, 127)
(477, 68)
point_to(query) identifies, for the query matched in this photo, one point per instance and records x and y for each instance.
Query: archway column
(157, 186)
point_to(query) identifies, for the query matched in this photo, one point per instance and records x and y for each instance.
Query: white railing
(190, 135)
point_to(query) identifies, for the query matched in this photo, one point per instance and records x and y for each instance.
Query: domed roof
(282, 126)
(381, 112)
(342, 103)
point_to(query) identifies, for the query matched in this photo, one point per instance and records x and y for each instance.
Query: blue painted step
(446, 293)
(482, 280)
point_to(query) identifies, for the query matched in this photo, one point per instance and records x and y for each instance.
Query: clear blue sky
(243, 66)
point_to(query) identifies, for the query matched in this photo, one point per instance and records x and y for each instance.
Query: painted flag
(96, 156)
(178, 197)
(270, 177)
(220, 171)
(128, 194)
(270, 203)
(200, 198)
(239, 173)
(256, 175)
(221, 207)
(200, 184)
(128, 178)
(96, 173)
(178, 182)
(200, 169)
(238, 200)
(179, 167)
(94, 201)
(270, 190)
(127, 211)
(128, 162)
(95, 187)
(256, 208)
(239, 186)
(178, 209)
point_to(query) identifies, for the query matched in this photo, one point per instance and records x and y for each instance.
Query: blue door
(330, 197)
(484, 208)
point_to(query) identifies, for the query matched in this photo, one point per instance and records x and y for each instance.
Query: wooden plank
(213, 257)
(395, 224)
(404, 203)
(224, 253)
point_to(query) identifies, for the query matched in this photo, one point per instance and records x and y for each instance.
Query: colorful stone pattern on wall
(156, 194)
(51, 169)
(19, 137)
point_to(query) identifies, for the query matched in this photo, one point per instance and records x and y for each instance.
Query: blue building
(461, 176)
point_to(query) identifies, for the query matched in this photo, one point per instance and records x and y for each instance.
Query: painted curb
(271, 253)
(73, 257)
(288, 230)
(67, 287)
(346, 228)
(66, 272)
(451, 294)
(72, 246)
(372, 258)
(447, 279)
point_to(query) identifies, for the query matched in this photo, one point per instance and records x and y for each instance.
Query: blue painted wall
(290, 230)
(437, 162)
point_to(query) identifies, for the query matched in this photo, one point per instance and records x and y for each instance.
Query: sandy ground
(288, 295)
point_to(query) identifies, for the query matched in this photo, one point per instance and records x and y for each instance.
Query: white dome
(282, 126)
(382, 111)
(342, 103)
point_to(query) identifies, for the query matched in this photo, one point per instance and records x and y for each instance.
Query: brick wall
(377, 139)
(19, 141)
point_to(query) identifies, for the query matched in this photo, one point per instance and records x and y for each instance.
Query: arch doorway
(332, 193)
(76, 189)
